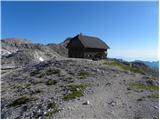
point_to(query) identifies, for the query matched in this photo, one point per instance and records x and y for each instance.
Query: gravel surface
(77, 88)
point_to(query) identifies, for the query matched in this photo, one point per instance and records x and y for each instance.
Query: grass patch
(73, 95)
(37, 82)
(50, 114)
(156, 96)
(54, 108)
(22, 86)
(76, 91)
(127, 66)
(22, 100)
(84, 75)
(143, 86)
(51, 82)
(52, 71)
(135, 67)
(41, 74)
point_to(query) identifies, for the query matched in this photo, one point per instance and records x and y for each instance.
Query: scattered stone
(146, 77)
(155, 117)
(150, 82)
(108, 84)
(128, 88)
(112, 103)
(86, 103)
(78, 98)
(140, 99)
(156, 107)
(77, 89)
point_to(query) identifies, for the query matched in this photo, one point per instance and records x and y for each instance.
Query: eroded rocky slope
(20, 52)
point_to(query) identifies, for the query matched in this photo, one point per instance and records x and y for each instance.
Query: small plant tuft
(51, 105)
(54, 108)
(156, 96)
(22, 100)
(76, 91)
(51, 82)
(84, 75)
(53, 71)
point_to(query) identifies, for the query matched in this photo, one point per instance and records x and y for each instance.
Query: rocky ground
(77, 88)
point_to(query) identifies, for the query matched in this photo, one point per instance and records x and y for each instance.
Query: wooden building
(82, 46)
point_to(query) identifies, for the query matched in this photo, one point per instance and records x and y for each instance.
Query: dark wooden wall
(77, 50)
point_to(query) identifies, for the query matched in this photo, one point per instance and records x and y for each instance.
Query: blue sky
(129, 28)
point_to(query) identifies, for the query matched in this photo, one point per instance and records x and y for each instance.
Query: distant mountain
(153, 64)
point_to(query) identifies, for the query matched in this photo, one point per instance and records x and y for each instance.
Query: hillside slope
(78, 88)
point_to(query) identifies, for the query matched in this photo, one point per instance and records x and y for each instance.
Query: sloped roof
(92, 42)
